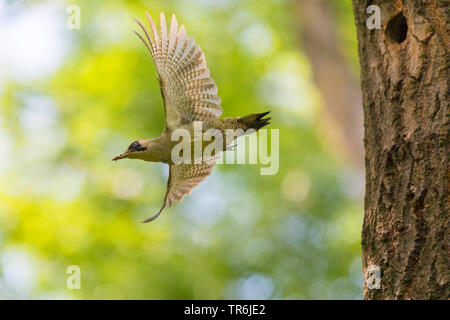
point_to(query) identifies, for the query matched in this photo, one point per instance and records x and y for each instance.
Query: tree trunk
(404, 79)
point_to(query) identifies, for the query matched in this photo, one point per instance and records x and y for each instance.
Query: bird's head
(136, 150)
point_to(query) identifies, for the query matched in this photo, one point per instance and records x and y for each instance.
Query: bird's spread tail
(255, 121)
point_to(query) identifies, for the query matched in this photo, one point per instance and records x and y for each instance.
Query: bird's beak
(119, 156)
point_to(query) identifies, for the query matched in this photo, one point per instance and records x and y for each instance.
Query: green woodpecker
(189, 95)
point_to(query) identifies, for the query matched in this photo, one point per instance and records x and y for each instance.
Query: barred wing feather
(183, 178)
(188, 91)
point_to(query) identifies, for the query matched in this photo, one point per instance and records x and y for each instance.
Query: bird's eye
(134, 145)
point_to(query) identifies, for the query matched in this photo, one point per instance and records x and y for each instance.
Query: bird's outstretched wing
(189, 93)
(183, 178)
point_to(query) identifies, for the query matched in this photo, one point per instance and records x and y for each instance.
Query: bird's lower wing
(183, 178)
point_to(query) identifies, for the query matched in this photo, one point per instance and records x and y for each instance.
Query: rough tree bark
(404, 79)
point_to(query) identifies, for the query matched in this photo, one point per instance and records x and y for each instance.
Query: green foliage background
(293, 235)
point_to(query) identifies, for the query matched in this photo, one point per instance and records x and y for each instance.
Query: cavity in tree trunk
(404, 80)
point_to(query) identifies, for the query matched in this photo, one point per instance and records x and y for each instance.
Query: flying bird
(189, 95)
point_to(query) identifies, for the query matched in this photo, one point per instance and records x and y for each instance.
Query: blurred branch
(339, 88)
